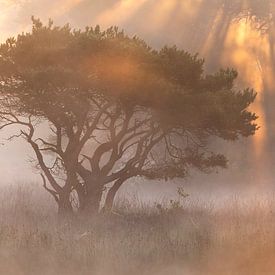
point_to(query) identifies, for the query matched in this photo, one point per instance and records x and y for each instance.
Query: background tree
(115, 109)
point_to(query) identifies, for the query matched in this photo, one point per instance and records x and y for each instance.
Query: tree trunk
(109, 202)
(91, 202)
(81, 194)
(65, 208)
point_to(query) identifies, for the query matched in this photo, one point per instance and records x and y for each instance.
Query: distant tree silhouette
(114, 109)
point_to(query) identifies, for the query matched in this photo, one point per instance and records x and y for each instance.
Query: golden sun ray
(246, 49)
(217, 33)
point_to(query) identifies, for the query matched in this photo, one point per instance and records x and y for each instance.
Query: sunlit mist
(247, 50)
(132, 140)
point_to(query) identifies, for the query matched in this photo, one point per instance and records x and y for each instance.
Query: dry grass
(198, 239)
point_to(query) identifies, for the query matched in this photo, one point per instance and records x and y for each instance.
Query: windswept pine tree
(115, 109)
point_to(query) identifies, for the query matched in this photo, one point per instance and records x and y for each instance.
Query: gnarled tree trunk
(109, 202)
(90, 200)
(65, 208)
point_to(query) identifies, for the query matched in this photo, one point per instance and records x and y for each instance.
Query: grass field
(238, 238)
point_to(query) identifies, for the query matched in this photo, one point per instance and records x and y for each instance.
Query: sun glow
(246, 49)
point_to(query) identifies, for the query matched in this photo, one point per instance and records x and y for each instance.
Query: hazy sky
(159, 21)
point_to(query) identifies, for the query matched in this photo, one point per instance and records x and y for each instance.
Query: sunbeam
(211, 38)
(248, 51)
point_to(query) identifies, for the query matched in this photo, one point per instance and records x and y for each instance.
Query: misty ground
(195, 238)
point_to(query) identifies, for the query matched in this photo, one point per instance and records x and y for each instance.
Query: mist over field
(144, 149)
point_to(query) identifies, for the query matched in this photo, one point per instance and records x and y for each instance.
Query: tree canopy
(115, 108)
